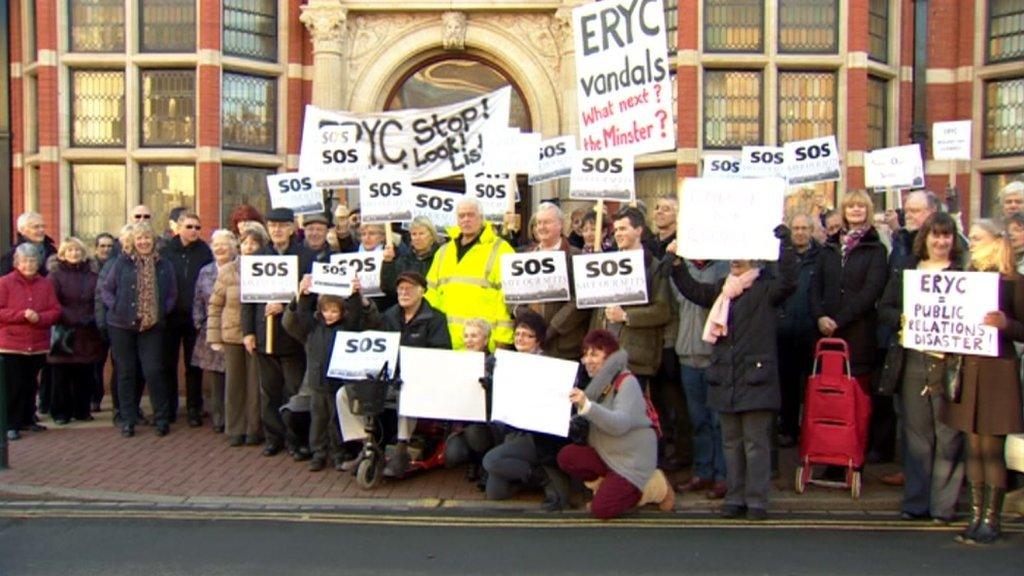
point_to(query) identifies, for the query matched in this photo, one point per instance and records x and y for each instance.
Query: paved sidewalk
(90, 461)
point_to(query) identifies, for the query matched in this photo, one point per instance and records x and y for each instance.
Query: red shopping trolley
(837, 412)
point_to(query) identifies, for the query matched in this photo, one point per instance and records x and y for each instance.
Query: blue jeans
(708, 456)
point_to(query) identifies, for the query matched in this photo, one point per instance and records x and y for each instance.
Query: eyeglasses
(142, 216)
(104, 245)
(193, 227)
(525, 334)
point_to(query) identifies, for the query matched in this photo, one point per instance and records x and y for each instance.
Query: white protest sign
(296, 191)
(898, 167)
(511, 151)
(609, 279)
(531, 392)
(601, 176)
(721, 166)
(492, 190)
(623, 85)
(266, 279)
(437, 205)
(357, 355)
(428, 144)
(442, 384)
(341, 157)
(721, 220)
(944, 311)
(810, 161)
(385, 196)
(530, 277)
(366, 265)
(554, 159)
(762, 162)
(951, 140)
(328, 278)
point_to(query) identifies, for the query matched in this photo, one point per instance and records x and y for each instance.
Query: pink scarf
(718, 319)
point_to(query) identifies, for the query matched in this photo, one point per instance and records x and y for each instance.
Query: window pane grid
(808, 26)
(167, 26)
(168, 108)
(1004, 117)
(671, 24)
(97, 199)
(97, 25)
(249, 112)
(732, 108)
(878, 30)
(733, 25)
(167, 186)
(878, 120)
(1006, 30)
(250, 28)
(97, 108)
(243, 185)
(807, 105)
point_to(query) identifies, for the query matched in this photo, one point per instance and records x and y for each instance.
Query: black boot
(398, 464)
(977, 498)
(556, 490)
(988, 532)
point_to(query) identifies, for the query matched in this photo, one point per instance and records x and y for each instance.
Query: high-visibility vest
(471, 287)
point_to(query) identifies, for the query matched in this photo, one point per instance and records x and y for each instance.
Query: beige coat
(224, 315)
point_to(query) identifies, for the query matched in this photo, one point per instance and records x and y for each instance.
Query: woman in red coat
(28, 307)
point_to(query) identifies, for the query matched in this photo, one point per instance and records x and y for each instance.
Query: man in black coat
(31, 229)
(187, 253)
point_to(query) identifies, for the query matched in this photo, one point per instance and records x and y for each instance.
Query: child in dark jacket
(317, 329)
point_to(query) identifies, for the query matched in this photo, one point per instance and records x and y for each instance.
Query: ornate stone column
(562, 30)
(325, 20)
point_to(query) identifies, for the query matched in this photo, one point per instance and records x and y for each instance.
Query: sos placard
(762, 162)
(810, 161)
(296, 191)
(385, 196)
(535, 277)
(341, 158)
(437, 205)
(597, 176)
(721, 166)
(608, 279)
(365, 265)
(555, 159)
(328, 278)
(266, 279)
(358, 354)
(493, 191)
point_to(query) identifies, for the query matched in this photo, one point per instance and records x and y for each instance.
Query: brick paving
(91, 461)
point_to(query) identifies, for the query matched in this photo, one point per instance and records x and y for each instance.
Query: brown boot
(976, 495)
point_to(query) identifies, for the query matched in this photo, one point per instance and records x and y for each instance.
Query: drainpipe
(5, 189)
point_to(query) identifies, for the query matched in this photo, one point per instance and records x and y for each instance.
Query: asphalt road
(213, 546)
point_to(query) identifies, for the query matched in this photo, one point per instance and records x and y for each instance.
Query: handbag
(891, 375)
(62, 340)
(953, 381)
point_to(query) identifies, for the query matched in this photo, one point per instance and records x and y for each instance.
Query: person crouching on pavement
(333, 314)
(743, 374)
(620, 457)
(469, 443)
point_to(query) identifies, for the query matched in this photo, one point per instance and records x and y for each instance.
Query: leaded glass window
(991, 184)
(671, 24)
(732, 108)
(807, 105)
(97, 199)
(243, 185)
(97, 108)
(168, 107)
(878, 116)
(167, 186)
(808, 26)
(1004, 117)
(733, 26)
(878, 30)
(1005, 30)
(250, 28)
(167, 26)
(249, 112)
(97, 25)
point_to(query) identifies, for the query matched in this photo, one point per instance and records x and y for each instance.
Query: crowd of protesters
(721, 350)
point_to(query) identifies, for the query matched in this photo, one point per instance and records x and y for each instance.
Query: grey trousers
(213, 382)
(241, 393)
(280, 377)
(746, 441)
(509, 463)
(324, 435)
(933, 464)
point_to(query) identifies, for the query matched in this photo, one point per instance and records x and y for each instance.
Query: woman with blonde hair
(79, 345)
(987, 405)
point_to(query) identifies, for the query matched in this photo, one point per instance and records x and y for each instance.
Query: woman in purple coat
(74, 282)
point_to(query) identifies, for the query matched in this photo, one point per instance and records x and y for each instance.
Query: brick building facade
(194, 102)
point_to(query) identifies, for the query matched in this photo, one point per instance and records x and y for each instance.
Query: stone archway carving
(383, 48)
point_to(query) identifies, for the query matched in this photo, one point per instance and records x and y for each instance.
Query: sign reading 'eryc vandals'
(944, 311)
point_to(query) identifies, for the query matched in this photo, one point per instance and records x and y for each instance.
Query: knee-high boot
(976, 494)
(989, 531)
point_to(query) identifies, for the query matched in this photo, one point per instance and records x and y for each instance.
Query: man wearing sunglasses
(188, 253)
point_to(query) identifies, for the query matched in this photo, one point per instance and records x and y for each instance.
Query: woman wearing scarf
(743, 372)
(848, 281)
(989, 406)
(138, 292)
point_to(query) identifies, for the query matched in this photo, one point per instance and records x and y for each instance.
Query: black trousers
(280, 377)
(21, 377)
(668, 398)
(99, 390)
(182, 335)
(795, 361)
(73, 386)
(129, 348)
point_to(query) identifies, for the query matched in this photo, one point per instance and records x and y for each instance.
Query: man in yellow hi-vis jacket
(464, 281)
